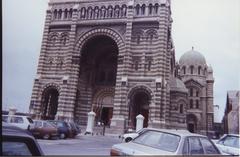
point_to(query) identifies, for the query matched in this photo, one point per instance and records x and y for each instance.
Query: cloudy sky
(211, 26)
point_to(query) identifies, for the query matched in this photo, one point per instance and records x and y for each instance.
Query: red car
(44, 129)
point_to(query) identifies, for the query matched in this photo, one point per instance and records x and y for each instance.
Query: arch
(140, 87)
(143, 9)
(124, 10)
(116, 11)
(70, 13)
(83, 12)
(103, 105)
(49, 101)
(101, 31)
(191, 69)
(140, 97)
(137, 9)
(65, 14)
(110, 11)
(150, 10)
(60, 14)
(156, 6)
(55, 14)
(192, 121)
(199, 70)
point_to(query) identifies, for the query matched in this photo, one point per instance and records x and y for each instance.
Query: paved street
(81, 145)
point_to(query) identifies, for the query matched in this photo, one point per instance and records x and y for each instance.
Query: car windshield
(159, 140)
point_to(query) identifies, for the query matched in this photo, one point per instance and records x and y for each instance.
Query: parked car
(18, 142)
(63, 128)
(23, 122)
(229, 144)
(166, 142)
(44, 129)
(74, 129)
(129, 136)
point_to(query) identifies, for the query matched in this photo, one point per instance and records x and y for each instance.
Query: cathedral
(117, 59)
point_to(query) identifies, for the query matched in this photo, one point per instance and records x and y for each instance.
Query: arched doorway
(139, 104)
(98, 70)
(49, 103)
(192, 123)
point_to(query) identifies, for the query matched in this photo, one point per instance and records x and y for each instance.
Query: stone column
(139, 124)
(90, 123)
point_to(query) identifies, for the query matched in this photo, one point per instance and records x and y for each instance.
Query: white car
(166, 142)
(23, 122)
(229, 144)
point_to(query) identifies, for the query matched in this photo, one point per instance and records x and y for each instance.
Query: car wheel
(46, 137)
(128, 139)
(62, 136)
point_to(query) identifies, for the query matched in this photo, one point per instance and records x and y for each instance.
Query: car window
(15, 149)
(208, 146)
(29, 120)
(195, 146)
(17, 120)
(38, 124)
(47, 125)
(231, 141)
(60, 124)
(159, 140)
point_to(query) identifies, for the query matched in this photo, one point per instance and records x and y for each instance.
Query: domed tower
(198, 79)
(178, 103)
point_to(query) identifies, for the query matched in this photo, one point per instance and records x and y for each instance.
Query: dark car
(74, 129)
(18, 142)
(44, 129)
(63, 128)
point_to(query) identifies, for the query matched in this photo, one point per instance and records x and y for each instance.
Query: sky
(212, 27)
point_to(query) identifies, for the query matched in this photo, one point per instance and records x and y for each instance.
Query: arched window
(205, 71)
(65, 13)
(124, 10)
(191, 103)
(197, 93)
(60, 14)
(181, 108)
(70, 13)
(136, 65)
(137, 9)
(156, 8)
(55, 14)
(197, 104)
(191, 92)
(110, 11)
(184, 70)
(149, 65)
(191, 69)
(150, 9)
(83, 12)
(199, 70)
(143, 9)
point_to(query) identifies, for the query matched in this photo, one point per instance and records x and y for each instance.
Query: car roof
(15, 116)
(179, 132)
(11, 130)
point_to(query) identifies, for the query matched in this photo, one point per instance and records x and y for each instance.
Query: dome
(192, 58)
(177, 85)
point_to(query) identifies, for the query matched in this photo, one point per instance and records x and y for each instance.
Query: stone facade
(231, 115)
(115, 58)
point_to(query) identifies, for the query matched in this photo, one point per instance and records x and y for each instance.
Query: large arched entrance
(98, 69)
(139, 104)
(50, 103)
(192, 123)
